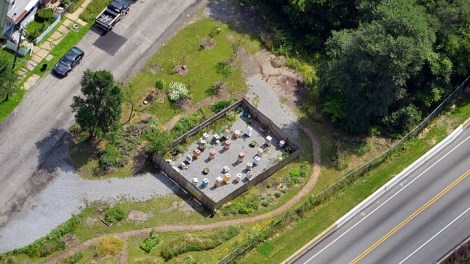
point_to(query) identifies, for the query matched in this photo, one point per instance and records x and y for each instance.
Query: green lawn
(184, 49)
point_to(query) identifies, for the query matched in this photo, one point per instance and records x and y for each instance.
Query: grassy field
(184, 49)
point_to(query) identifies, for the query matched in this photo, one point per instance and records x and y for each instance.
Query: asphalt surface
(418, 221)
(38, 125)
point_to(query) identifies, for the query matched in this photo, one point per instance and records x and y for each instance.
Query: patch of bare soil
(208, 44)
(181, 69)
(154, 69)
(189, 206)
(173, 207)
(138, 216)
(91, 221)
(70, 240)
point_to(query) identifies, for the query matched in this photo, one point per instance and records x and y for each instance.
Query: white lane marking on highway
(386, 201)
(438, 233)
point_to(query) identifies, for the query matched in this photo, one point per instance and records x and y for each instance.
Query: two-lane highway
(416, 222)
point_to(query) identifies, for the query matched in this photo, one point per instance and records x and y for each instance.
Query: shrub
(114, 214)
(109, 246)
(266, 200)
(214, 32)
(220, 105)
(224, 68)
(150, 242)
(277, 194)
(160, 84)
(111, 157)
(231, 115)
(159, 141)
(186, 123)
(44, 15)
(217, 87)
(177, 91)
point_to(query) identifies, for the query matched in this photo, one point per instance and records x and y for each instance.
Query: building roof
(20, 9)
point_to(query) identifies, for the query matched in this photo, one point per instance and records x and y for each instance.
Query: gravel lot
(270, 105)
(67, 194)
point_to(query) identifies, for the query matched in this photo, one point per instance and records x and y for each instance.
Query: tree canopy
(8, 79)
(383, 63)
(100, 109)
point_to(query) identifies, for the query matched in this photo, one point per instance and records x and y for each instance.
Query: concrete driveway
(32, 152)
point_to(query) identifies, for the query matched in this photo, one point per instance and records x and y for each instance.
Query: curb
(312, 243)
(402, 175)
(466, 124)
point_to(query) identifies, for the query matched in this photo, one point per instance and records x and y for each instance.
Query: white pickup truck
(112, 14)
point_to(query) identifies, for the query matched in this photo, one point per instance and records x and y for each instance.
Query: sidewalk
(42, 52)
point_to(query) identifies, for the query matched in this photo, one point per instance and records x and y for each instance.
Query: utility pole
(17, 48)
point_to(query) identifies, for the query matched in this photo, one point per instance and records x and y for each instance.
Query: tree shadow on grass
(83, 151)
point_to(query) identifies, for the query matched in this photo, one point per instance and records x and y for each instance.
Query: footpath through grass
(315, 221)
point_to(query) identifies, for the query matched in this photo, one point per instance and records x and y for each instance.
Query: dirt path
(171, 228)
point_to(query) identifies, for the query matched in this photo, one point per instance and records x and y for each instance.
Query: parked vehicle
(66, 64)
(112, 14)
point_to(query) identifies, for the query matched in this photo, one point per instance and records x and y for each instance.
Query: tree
(159, 141)
(365, 75)
(100, 110)
(7, 79)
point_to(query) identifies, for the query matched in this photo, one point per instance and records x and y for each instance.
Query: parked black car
(68, 62)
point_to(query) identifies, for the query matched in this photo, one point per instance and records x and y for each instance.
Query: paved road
(40, 121)
(416, 222)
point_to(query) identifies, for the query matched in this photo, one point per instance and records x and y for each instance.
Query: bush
(160, 84)
(111, 157)
(109, 246)
(177, 91)
(186, 123)
(220, 105)
(159, 141)
(44, 15)
(150, 242)
(224, 68)
(114, 214)
(231, 115)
